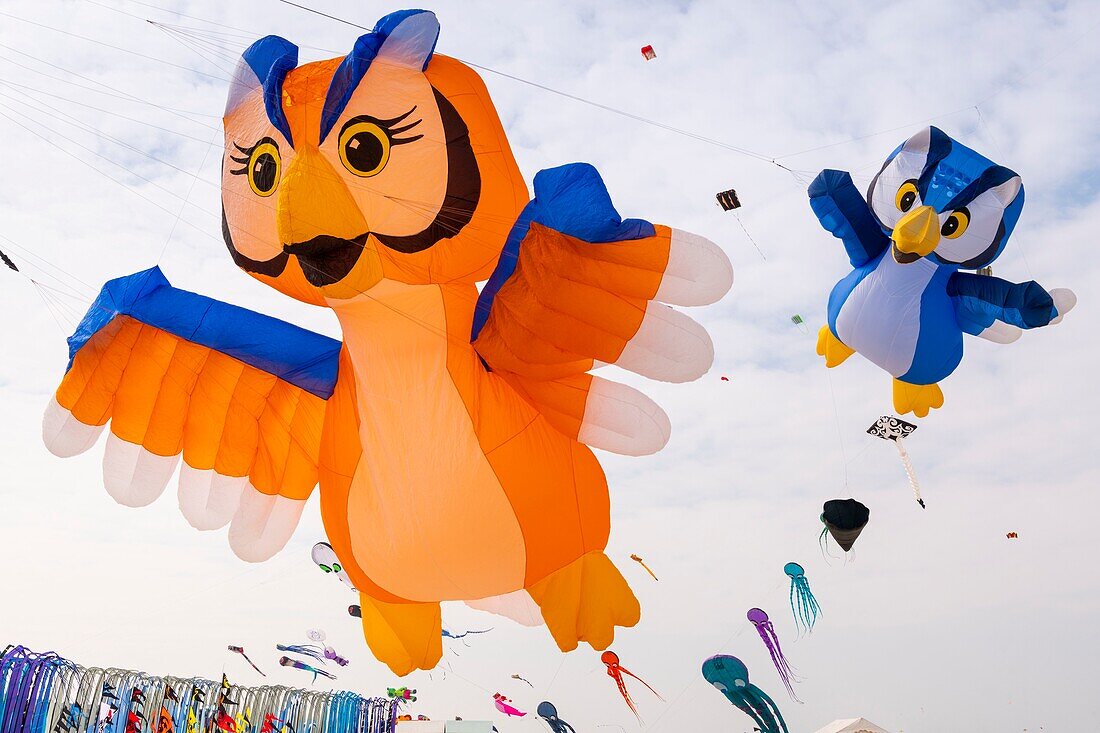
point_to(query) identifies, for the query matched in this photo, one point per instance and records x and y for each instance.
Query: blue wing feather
(982, 299)
(844, 213)
(305, 359)
(573, 200)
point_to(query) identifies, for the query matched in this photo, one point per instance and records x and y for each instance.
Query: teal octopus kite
(730, 676)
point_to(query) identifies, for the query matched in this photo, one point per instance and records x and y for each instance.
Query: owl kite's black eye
(907, 195)
(265, 173)
(261, 163)
(364, 148)
(956, 223)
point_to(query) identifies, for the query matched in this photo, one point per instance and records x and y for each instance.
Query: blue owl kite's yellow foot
(585, 601)
(832, 348)
(916, 398)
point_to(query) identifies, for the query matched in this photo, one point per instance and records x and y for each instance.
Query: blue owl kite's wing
(982, 299)
(239, 394)
(844, 213)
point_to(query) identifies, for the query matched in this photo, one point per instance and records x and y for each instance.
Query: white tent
(853, 725)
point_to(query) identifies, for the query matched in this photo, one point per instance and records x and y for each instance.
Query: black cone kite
(845, 519)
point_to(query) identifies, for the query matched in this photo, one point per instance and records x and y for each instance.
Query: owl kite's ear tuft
(405, 38)
(264, 65)
(1006, 192)
(409, 38)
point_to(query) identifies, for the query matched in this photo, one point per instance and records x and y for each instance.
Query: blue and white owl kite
(935, 208)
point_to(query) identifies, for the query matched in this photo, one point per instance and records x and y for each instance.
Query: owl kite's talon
(833, 349)
(916, 398)
(405, 636)
(585, 601)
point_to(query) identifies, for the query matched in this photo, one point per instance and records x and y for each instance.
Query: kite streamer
(764, 627)
(45, 692)
(288, 662)
(240, 650)
(803, 604)
(640, 561)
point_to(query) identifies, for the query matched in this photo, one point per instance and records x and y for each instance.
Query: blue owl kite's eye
(956, 223)
(907, 195)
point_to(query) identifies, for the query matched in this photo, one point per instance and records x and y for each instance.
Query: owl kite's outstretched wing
(577, 285)
(241, 396)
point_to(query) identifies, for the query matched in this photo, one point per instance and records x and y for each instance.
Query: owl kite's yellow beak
(314, 202)
(916, 234)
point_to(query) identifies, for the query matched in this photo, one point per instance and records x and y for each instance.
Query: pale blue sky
(938, 623)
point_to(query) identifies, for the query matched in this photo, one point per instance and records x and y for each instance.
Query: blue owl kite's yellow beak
(916, 234)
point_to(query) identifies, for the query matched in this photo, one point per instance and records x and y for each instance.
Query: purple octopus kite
(764, 627)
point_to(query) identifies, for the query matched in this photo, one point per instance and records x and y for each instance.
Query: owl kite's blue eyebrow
(271, 58)
(355, 66)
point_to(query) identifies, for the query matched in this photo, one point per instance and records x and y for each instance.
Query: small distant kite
(896, 429)
(803, 604)
(521, 679)
(844, 519)
(1012, 536)
(240, 650)
(549, 713)
(639, 560)
(799, 323)
(401, 693)
(502, 704)
(728, 200)
(326, 559)
(649, 53)
(452, 635)
(288, 662)
(318, 635)
(725, 379)
(616, 671)
(759, 618)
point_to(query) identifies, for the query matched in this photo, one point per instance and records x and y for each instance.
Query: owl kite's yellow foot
(406, 636)
(585, 601)
(832, 348)
(916, 398)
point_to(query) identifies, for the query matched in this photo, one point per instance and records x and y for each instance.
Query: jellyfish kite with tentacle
(803, 604)
(730, 676)
(616, 671)
(759, 618)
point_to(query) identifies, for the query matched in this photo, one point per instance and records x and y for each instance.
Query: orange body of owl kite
(450, 431)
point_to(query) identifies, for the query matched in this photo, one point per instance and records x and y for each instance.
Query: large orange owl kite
(450, 431)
